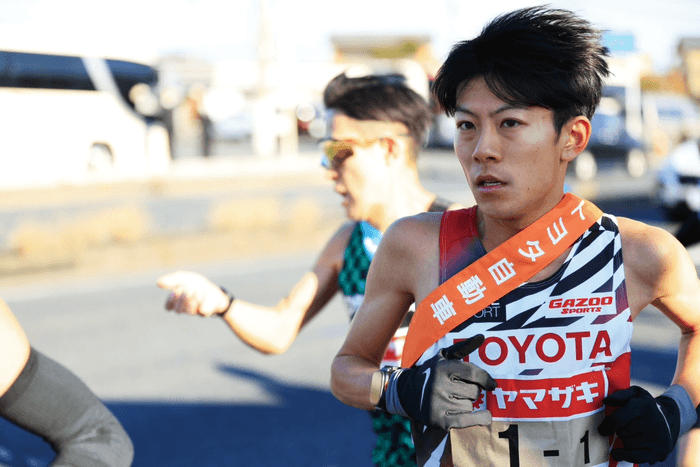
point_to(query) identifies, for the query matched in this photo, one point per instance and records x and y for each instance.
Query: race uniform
(556, 348)
(394, 445)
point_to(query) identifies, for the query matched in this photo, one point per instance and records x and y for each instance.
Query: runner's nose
(487, 146)
(331, 174)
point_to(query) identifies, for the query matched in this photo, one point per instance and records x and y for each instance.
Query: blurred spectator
(197, 113)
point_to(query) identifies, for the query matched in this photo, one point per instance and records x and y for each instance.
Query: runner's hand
(648, 427)
(441, 392)
(193, 294)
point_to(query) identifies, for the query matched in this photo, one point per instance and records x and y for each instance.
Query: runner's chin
(497, 206)
(351, 211)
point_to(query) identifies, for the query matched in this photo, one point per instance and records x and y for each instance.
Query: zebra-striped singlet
(556, 348)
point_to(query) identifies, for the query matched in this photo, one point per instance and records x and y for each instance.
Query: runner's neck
(410, 203)
(494, 231)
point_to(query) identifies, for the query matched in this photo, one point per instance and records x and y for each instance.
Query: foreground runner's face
(511, 156)
(360, 167)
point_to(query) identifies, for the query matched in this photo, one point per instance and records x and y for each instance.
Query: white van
(71, 119)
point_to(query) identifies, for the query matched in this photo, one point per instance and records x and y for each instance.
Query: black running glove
(647, 426)
(441, 392)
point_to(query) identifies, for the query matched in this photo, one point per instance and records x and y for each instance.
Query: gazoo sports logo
(577, 306)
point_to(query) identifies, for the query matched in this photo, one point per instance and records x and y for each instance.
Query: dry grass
(118, 241)
(247, 217)
(69, 237)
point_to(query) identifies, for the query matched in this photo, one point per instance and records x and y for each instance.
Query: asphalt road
(185, 388)
(190, 394)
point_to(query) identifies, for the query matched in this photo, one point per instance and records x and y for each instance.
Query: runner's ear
(577, 133)
(397, 149)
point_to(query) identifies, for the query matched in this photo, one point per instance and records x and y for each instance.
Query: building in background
(689, 50)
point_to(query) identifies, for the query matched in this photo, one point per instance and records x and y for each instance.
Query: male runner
(523, 358)
(378, 126)
(46, 399)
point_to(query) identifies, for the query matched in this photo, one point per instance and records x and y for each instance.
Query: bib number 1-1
(511, 435)
(553, 443)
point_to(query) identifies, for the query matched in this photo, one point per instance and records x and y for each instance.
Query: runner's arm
(14, 348)
(661, 273)
(388, 295)
(267, 329)
(48, 400)
(680, 301)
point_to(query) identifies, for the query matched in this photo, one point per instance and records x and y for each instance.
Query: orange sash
(497, 273)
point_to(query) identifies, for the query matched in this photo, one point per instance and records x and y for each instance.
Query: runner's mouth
(489, 182)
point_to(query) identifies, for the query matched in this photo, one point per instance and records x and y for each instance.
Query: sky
(227, 29)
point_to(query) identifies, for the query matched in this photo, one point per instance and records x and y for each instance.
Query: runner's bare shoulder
(647, 247)
(413, 231)
(339, 240)
(655, 262)
(412, 239)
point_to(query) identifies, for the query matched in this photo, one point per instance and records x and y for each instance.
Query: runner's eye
(335, 152)
(464, 125)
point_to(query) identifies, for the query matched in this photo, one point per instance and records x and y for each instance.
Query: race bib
(572, 443)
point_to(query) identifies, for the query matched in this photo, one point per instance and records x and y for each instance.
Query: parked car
(678, 181)
(674, 116)
(610, 143)
(441, 133)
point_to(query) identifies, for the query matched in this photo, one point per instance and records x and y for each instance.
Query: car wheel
(585, 166)
(636, 163)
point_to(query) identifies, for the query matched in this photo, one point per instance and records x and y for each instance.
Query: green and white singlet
(394, 444)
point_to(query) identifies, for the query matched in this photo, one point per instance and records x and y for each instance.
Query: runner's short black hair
(380, 97)
(534, 56)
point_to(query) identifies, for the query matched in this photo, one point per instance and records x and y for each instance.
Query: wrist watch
(231, 298)
(380, 381)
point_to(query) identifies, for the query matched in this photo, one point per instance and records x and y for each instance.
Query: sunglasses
(336, 151)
